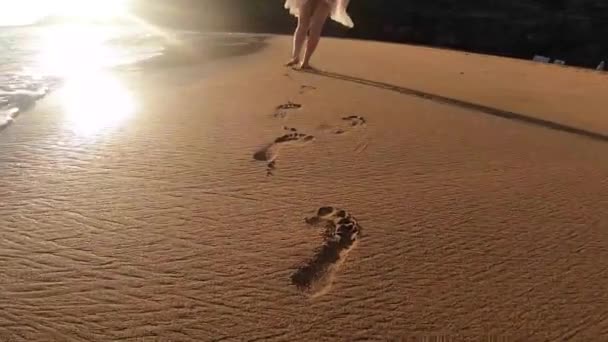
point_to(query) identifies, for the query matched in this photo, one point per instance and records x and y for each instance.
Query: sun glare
(68, 51)
(96, 102)
(89, 9)
(23, 12)
(82, 54)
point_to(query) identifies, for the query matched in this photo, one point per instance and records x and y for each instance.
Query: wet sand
(480, 185)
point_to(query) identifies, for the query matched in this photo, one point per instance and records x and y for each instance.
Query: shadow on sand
(467, 105)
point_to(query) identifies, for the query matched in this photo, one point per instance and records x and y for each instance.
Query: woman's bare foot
(304, 66)
(292, 62)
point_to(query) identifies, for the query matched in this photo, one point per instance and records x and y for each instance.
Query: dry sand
(166, 228)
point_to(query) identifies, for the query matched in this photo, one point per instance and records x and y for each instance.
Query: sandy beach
(175, 209)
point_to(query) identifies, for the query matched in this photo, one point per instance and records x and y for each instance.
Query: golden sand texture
(481, 185)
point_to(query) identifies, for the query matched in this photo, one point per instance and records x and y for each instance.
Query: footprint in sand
(270, 152)
(351, 122)
(283, 110)
(341, 232)
(306, 88)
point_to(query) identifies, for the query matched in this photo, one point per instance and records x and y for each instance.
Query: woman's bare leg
(299, 36)
(317, 21)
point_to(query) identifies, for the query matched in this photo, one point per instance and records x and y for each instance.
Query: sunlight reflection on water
(68, 50)
(96, 102)
(94, 99)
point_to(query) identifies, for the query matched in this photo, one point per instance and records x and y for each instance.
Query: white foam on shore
(20, 91)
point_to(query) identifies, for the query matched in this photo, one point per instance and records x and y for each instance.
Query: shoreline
(195, 53)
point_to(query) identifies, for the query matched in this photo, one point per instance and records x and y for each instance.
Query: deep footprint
(282, 110)
(270, 167)
(341, 232)
(269, 153)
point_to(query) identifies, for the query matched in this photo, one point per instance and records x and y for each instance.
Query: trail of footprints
(341, 229)
(269, 153)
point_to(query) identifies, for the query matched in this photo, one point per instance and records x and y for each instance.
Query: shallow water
(36, 59)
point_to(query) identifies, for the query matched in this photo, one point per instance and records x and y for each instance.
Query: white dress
(338, 10)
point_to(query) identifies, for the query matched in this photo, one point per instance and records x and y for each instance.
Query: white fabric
(338, 10)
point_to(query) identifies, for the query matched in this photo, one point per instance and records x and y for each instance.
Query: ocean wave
(19, 92)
